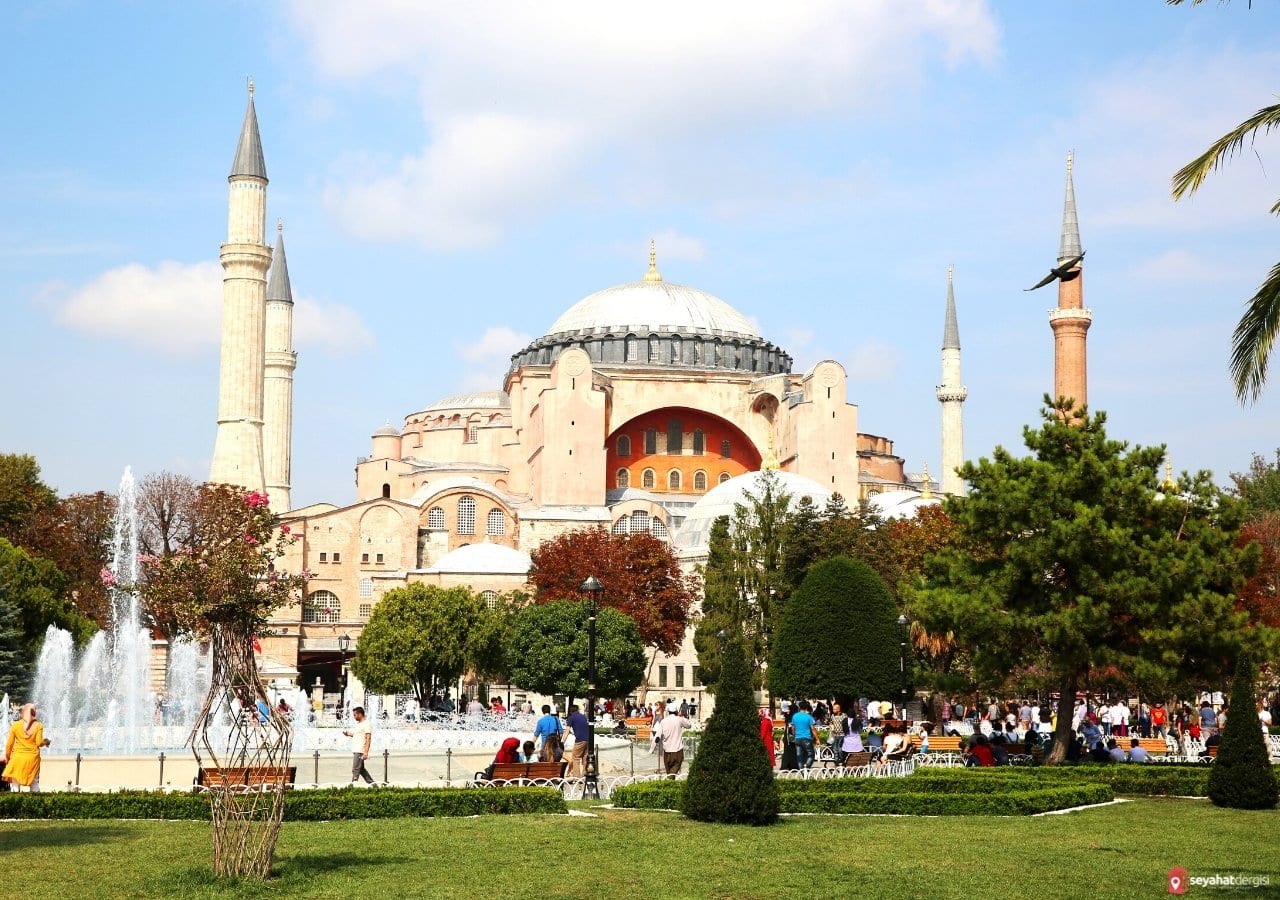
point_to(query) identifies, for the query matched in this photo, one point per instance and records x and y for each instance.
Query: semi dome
(723, 500)
(643, 306)
(483, 559)
(473, 400)
(900, 504)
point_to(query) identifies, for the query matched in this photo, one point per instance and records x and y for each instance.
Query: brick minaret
(237, 451)
(1070, 321)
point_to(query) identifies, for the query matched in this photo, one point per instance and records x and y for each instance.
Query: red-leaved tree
(1260, 596)
(640, 574)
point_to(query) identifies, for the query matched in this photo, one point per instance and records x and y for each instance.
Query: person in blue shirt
(804, 731)
(581, 735)
(547, 734)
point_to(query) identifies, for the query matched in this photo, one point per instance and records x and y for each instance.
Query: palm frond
(1189, 178)
(1254, 337)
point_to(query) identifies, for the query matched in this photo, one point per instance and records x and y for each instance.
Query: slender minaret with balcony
(951, 394)
(281, 360)
(1071, 320)
(245, 257)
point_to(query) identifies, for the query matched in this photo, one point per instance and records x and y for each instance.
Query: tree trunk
(1062, 735)
(648, 673)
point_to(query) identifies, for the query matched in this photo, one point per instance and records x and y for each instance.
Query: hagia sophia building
(649, 406)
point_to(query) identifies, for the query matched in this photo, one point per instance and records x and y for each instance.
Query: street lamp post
(344, 646)
(591, 783)
(902, 661)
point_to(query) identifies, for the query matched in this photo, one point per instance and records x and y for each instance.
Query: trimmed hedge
(324, 804)
(935, 796)
(1125, 779)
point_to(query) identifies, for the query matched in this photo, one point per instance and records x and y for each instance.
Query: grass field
(1117, 851)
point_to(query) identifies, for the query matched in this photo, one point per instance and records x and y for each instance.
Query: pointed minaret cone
(237, 450)
(951, 394)
(281, 360)
(1071, 320)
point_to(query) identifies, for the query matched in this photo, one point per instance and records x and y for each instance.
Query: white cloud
(873, 361)
(531, 107)
(175, 308)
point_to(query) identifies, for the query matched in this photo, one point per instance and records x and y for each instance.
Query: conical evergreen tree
(730, 780)
(14, 670)
(1242, 777)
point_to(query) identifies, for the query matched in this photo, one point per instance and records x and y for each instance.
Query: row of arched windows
(675, 480)
(717, 354)
(639, 522)
(675, 442)
(495, 525)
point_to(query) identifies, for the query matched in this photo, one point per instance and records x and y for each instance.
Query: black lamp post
(591, 783)
(902, 661)
(344, 646)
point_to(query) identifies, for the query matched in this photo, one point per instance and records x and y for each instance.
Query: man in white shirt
(361, 735)
(1136, 753)
(672, 729)
(873, 712)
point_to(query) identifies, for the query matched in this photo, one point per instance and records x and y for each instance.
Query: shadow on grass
(288, 874)
(16, 837)
(309, 865)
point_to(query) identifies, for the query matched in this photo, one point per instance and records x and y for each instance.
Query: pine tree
(1242, 776)
(838, 636)
(730, 780)
(14, 668)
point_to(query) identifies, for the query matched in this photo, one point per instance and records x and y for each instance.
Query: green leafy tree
(722, 605)
(548, 650)
(838, 636)
(421, 637)
(1072, 560)
(1242, 776)
(1255, 334)
(730, 779)
(23, 496)
(35, 589)
(1259, 488)
(15, 663)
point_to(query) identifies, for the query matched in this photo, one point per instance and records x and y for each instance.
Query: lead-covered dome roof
(643, 306)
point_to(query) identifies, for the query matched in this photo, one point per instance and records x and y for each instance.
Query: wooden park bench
(939, 743)
(1154, 746)
(246, 777)
(524, 773)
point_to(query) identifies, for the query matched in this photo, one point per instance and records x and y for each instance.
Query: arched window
(651, 441)
(675, 349)
(673, 480)
(658, 528)
(724, 476)
(620, 526)
(321, 608)
(633, 348)
(490, 599)
(623, 478)
(675, 438)
(624, 445)
(717, 354)
(724, 450)
(647, 480)
(639, 522)
(466, 515)
(472, 430)
(699, 442)
(655, 349)
(497, 524)
(386, 491)
(435, 518)
(699, 481)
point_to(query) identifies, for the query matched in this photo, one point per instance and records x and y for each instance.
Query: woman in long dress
(22, 750)
(766, 735)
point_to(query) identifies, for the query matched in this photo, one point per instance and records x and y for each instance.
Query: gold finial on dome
(926, 490)
(653, 274)
(1168, 484)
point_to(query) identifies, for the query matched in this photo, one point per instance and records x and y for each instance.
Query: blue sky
(453, 176)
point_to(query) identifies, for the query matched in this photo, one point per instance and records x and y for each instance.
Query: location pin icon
(1177, 880)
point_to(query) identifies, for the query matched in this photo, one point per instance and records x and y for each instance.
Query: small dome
(900, 504)
(387, 430)
(723, 499)
(483, 559)
(653, 306)
(474, 400)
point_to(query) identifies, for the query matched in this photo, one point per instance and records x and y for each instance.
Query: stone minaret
(237, 452)
(281, 360)
(1070, 321)
(951, 394)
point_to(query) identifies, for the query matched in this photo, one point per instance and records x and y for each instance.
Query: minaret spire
(1070, 321)
(652, 274)
(281, 360)
(245, 256)
(951, 393)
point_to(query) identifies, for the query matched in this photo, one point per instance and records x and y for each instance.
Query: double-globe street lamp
(591, 783)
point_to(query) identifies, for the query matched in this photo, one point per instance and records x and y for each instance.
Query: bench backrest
(529, 770)
(940, 743)
(246, 776)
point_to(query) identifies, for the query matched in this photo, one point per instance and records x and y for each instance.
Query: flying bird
(1060, 272)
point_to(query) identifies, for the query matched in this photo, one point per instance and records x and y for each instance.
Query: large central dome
(653, 305)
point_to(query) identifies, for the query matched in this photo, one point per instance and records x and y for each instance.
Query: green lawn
(1116, 851)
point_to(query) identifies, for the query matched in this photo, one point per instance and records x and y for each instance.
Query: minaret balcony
(952, 394)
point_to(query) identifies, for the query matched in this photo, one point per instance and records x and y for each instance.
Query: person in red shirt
(766, 735)
(1159, 720)
(980, 752)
